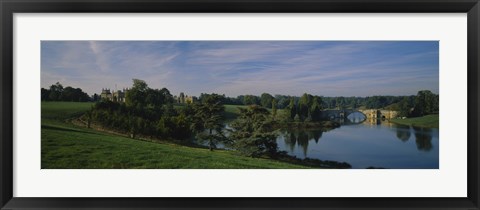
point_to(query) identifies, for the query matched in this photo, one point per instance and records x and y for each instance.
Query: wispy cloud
(246, 67)
(101, 60)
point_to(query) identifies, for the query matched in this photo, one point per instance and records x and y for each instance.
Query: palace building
(184, 99)
(116, 96)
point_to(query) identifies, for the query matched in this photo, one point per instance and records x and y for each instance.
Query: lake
(366, 143)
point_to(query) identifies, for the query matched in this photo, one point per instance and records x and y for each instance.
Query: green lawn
(63, 110)
(429, 121)
(232, 111)
(65, 145)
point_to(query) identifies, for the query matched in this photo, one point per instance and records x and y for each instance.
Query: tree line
(305, 108)
(325, 102)
(424, 103)
(308, 108)
(57, 92)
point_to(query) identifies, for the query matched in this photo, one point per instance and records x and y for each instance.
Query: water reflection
(403, 132)
(359, 118)
(301, 138)
(364, 143)
(423, 138)
(292, 141)
(317, 134)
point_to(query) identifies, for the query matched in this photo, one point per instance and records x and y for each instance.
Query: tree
(341, 103)
(282, 101)
(333, 103)
(404, 107)
(44, 94)
(266, 100)
(136, 96)
(156, 98)
(274, 108)
(182, 127)
(89, 118)
(425, 103)
(165, 96)
(353, 103)
(68, 94)
(250, 100)
(252, 132)
(95, 97)
(303, 105)
(133, 124)
(73, 94)
(436, 107)
(55, 91)
(315, 109)
(291, 109)
(169, 110)
(208, 120)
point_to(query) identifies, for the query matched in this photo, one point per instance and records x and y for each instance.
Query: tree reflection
(303, 141)
(301, 138)
(290, 140)
(317, 134)
(423, 138)
(403, 132)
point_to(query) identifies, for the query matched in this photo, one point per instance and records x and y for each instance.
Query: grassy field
(65, 145)
(64, 110)
(429, 121)
(232, 111)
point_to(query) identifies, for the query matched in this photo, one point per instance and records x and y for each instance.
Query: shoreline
(427, 121)
(283, 157)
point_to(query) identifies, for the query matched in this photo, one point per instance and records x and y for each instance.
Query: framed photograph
(239, 104)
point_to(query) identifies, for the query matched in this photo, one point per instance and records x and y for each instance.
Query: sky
(324, 68)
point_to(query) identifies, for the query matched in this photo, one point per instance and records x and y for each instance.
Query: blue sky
(327, 68)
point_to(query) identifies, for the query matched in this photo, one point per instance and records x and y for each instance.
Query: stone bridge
(368, 113)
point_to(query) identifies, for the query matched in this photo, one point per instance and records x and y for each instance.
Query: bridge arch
(355, 111)
(367, 113)
(355, 120)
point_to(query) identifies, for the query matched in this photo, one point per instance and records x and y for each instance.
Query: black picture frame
(9, 7)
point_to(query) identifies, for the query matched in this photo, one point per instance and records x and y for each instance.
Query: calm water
(369, 143)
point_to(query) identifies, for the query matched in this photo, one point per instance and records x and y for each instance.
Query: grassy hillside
(64, 110)
(65, 145)
(429, 121)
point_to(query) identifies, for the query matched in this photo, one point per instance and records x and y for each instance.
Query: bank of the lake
(321, 125)
(428, 121)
